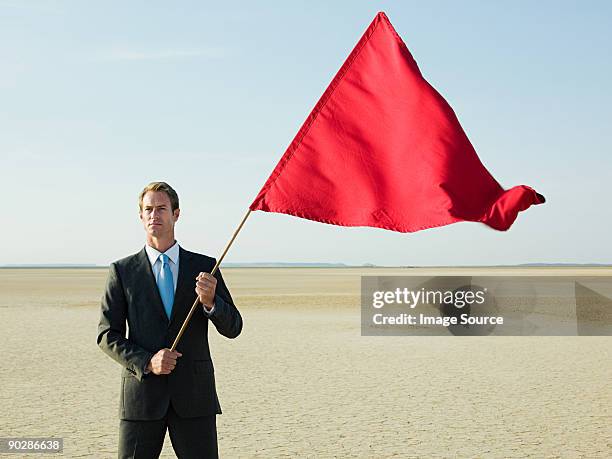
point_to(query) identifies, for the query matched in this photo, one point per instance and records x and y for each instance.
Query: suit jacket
(132, 297)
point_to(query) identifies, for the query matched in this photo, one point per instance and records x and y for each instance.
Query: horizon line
(274, 264)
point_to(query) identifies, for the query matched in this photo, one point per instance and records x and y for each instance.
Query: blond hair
(160, 186)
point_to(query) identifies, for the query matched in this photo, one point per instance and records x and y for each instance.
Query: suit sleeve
(111, 329)
(225, 316)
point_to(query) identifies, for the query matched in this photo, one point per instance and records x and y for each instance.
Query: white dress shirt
(173, 255)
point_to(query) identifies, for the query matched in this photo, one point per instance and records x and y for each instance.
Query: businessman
(152, 292)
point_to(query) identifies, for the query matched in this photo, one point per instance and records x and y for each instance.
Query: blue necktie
(165, 284)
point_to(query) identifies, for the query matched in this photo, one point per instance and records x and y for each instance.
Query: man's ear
(176, 214)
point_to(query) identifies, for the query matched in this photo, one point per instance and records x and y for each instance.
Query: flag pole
(214, 270)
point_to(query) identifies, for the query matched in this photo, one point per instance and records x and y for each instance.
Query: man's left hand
(205, 288)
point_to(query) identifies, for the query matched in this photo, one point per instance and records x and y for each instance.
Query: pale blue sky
(99, 99)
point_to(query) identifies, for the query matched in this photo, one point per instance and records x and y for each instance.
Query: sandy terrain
(302, 382)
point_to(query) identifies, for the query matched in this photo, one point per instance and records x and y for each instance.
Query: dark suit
(132, 296)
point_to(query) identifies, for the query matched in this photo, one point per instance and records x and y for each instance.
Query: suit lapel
(149, 286)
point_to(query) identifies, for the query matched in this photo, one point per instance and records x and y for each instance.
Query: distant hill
(273, 264)
(566, 264)
(52, 265)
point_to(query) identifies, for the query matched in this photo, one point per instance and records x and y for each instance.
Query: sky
(97, 99)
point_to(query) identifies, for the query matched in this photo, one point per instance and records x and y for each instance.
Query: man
(153, 291)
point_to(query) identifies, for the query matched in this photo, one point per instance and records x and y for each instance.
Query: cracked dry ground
(301, 381)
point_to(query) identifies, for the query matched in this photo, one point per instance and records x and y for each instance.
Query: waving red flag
(383, 148)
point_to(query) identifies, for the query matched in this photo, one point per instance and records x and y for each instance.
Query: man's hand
(205, 288)
(163, 362)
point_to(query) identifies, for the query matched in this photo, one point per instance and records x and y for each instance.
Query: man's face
(156, 214)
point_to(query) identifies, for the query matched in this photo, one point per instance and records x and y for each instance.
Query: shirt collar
(172, 252)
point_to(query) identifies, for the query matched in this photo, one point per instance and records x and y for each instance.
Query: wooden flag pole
(214, 270)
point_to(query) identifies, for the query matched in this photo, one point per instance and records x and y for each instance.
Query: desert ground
(301, 381)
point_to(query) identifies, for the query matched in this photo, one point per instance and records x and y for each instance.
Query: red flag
(383, 148)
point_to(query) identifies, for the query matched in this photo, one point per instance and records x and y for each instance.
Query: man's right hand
(163, 362)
